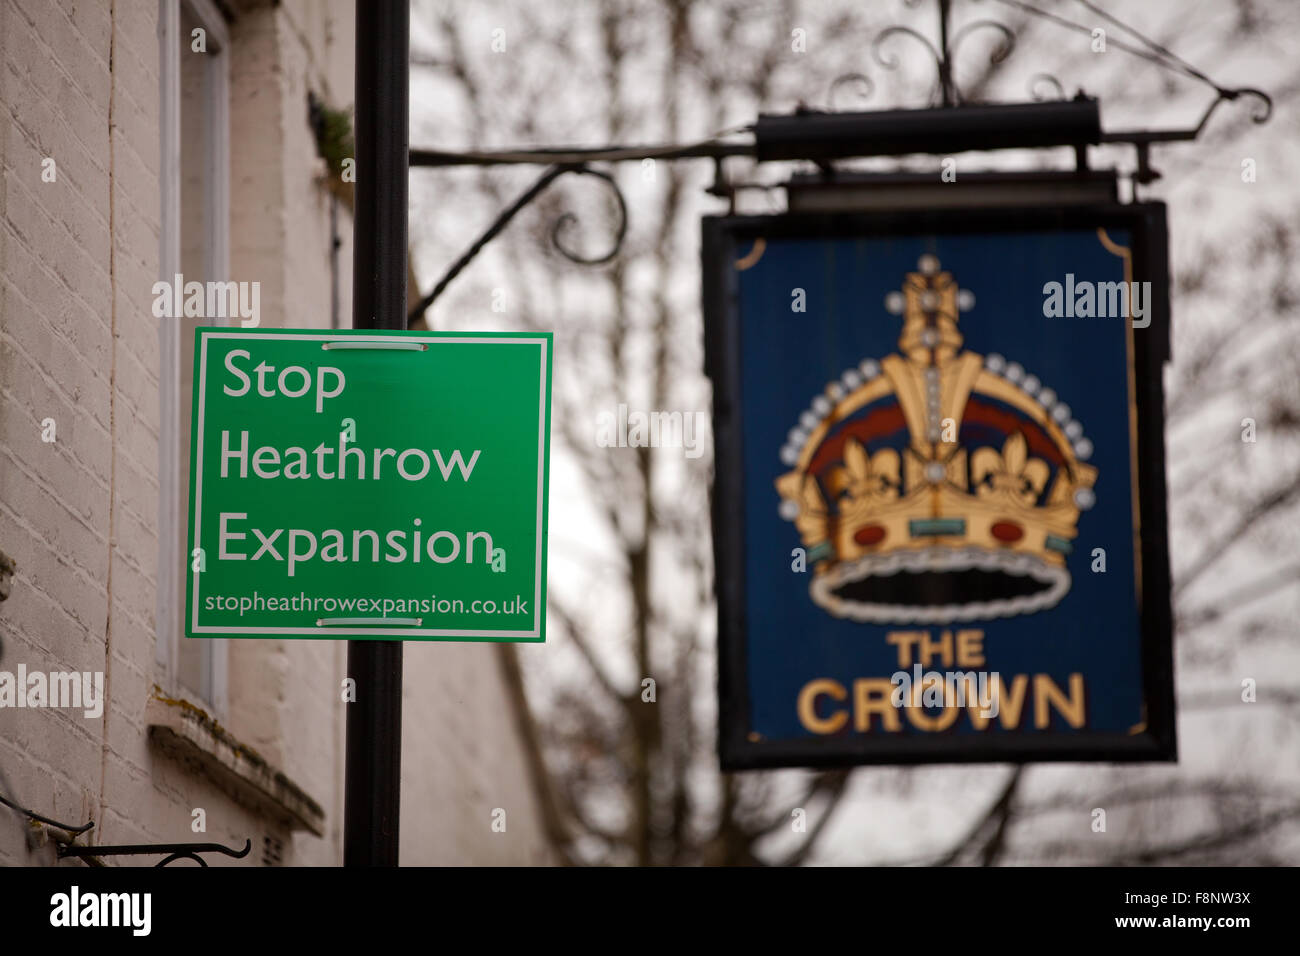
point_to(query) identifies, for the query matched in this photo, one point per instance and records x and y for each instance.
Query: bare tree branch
(1261, 509)
(833, 785)
(996, 816)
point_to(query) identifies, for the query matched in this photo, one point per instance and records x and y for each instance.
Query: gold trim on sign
(751, 258)
(1126, 254)
(1141, 726)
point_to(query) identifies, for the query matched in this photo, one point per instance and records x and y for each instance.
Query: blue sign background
(788, 358)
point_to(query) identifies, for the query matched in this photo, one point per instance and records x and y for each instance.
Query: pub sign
(939, 501)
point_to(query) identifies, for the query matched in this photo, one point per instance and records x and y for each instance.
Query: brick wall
(79, 344)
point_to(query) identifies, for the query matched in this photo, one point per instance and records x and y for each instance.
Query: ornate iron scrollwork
(568, 219)
(561, 224)
(1226, 95)
(173, 851)
(1042, 86)
(866, 86)
(946, 92)
(1038, 80)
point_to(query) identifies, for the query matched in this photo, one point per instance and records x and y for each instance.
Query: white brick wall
(78, 344)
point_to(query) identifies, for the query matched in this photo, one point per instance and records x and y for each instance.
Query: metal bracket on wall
(172, 851)
(503, 220)
(954, 125)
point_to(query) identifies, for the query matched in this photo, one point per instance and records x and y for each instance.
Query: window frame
(172, 497)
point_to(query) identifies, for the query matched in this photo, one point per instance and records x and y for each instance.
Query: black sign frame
(725, 239)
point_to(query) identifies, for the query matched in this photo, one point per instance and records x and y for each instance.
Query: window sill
(186, 733)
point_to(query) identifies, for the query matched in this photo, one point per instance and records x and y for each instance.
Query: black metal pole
(373, 785)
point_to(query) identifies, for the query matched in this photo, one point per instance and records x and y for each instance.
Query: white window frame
(172, 498)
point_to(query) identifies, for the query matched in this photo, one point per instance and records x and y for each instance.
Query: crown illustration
(936, 485)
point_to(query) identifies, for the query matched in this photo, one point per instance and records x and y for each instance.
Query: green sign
(364, 484)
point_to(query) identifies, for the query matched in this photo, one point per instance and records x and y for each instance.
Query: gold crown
(936, 485)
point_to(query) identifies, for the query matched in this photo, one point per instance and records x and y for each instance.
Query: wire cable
(1161, 56)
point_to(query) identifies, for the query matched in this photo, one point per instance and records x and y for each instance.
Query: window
(194, 243)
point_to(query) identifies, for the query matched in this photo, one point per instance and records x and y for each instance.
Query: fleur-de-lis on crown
(812, 520)
(1012, 473)
(867, 478)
